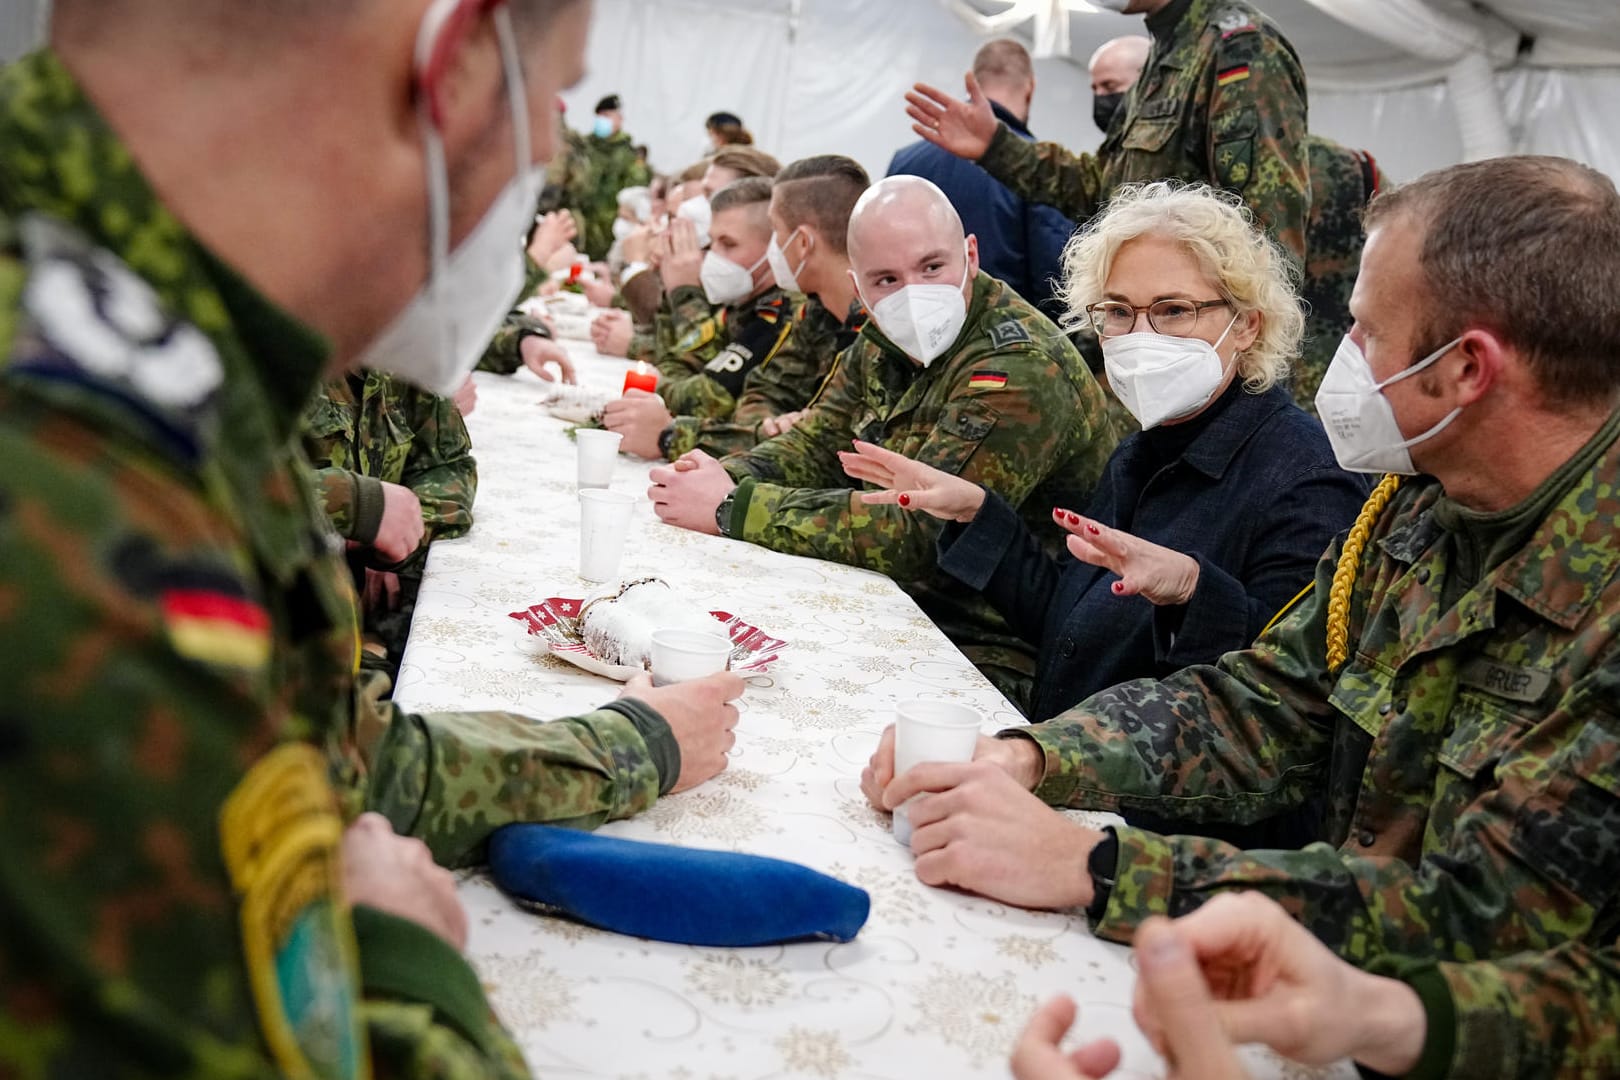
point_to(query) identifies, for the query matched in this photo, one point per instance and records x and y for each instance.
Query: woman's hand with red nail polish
(910, 484)
(1145, 569)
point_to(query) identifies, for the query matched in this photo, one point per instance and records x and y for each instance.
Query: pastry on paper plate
(617, 623)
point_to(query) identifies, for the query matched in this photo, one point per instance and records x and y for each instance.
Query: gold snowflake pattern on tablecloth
(981, 1016)
(1033, 951)
(514, 687)
(730, 979)
(527, 995)
(898, 898)
(879, 665)
(717, 816)
(743, 779)
(818, 712)
(819, 1053)
(860, 813)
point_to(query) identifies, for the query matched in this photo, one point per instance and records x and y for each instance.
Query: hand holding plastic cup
(604, 522)
(681, 655)
(598, 452)
(930, 731)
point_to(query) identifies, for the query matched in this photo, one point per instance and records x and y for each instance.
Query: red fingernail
(1093, 530)
(1057, 515)
(905, 500)
(1119, 587)
(1074, 519)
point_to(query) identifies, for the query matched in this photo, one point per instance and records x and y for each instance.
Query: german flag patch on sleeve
(987, 380)
(1232, 75)
(216, 628)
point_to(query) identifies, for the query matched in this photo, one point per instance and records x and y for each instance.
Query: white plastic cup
(926, 731)
(682, 655)
(598, 452)
(604, 522)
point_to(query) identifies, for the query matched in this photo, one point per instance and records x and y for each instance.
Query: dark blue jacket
(1020, 243)
(1249, 488)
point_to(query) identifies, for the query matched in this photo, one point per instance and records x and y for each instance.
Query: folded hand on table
(911, 484)
(687, 493)
(640, 417)
(1171, 990)
(397, 875)
(599, 292)
(701, 716)
(772, 426)
(611, 332)
(539, 354)
(402, 528)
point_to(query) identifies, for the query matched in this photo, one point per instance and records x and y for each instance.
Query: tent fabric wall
(828, 78)
(1568, 112)
(20, 22)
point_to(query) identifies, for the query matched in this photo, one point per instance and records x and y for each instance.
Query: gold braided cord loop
(1344, 575)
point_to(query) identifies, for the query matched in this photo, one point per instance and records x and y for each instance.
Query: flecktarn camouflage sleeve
(1046, 173)
(451, 779)
(440, 468)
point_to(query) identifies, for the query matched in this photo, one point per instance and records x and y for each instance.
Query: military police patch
(1009, 332)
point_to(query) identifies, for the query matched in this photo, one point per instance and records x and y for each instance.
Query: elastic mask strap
(1427, 361)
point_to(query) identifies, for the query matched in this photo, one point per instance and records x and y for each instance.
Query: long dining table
(938, 984)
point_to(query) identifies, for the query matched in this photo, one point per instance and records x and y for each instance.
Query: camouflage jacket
(184, 726)
(1343, 181)
(1464, 759)
(595, 171)
(1533, 1016)
(1223, 103)
(688, 332)
(748, 336)
(787, 384)
(1010, 405)
(365, 430)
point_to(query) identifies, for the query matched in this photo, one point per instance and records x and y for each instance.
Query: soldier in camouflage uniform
(367, 430)
(1343, 182)
(186, 733)
(1221, 101)
(751, 328)
(1009, 404)
(811, 202)
(1445, 693)
(598, 166)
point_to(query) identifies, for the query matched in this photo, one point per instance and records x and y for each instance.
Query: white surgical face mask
(1113, 5)
(785, 275)
(622, 228)
(1359, 419)
(923, 319)
(439, 336)
(697, 211)
(724, 281)
(1159, 377)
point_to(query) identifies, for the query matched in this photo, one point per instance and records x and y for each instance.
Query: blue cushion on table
(671, 893)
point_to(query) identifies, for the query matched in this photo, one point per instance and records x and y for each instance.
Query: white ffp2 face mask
(1118, 6)
(622, 228)
(1159, 377)
(724, 281)
(923, 320)
(785, 275)
(1359, 419)
(697, 211)
(439, 336)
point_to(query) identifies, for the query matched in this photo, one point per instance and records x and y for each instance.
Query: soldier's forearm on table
(429, 774)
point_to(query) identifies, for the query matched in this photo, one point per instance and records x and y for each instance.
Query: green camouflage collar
(58, 157)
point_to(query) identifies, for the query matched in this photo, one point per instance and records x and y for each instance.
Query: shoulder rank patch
(216, 628)
(987, 380)
(1232, 75)
(1008, 333)
(697, 337)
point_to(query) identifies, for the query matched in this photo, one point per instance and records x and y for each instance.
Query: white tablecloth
(937, 984)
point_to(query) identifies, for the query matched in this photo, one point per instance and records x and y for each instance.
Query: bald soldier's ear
(972, 257)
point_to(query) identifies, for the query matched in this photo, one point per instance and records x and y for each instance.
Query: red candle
(641, 379)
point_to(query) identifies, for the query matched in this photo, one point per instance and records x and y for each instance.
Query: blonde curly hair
(1251, 270)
